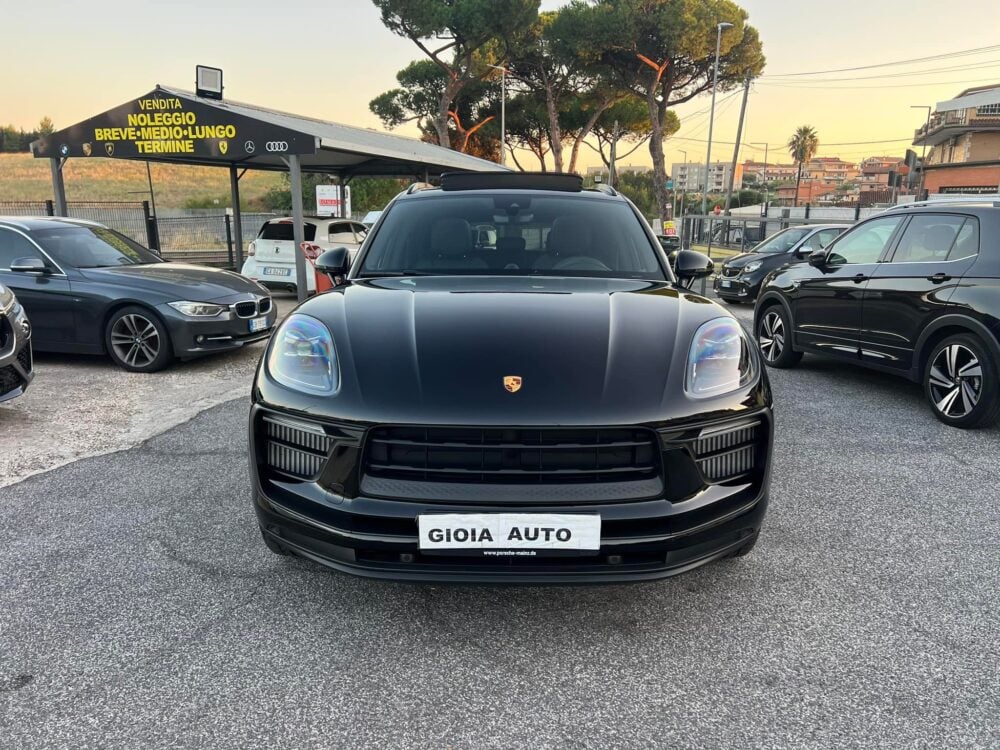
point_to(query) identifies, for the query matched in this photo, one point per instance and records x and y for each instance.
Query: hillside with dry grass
(23, 177)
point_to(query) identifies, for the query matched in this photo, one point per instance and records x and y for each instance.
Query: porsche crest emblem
(110, 148)
(87, 149)
(223, 146)
(512, 383)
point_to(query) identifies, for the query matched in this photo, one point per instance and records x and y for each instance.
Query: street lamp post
(711, 117)
(923, 155)
(683, 191)
(503, 113)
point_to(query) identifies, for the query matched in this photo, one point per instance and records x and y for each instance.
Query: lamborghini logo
(110, 148)
(223, 146)
(512, 383)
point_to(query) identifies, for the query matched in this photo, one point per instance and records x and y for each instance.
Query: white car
(271, 256)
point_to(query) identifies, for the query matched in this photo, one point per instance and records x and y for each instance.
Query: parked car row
(88, 289)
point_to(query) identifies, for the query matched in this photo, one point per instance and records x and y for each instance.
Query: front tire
(137, 340)
(961, 383)
(774, 337)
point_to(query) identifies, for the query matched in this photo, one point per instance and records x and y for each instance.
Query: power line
(929, 58)
(903, 74)
(813, 87)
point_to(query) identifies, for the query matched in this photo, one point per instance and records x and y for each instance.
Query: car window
(92, 247)
(342, 232)
(783, 241)
(824, 237)
(967, 243)
(282, 230)
(14, 246)
(535, 234)
(928, 238)
(864, 243)
(360, 231)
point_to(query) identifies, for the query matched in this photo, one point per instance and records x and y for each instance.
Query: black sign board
(171, 126)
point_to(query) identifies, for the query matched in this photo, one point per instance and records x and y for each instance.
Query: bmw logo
(64, 150)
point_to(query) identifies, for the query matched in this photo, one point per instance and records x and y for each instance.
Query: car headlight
(7, 300)
(303, 357)
(198, 309)
(721, 359)
(752, 266)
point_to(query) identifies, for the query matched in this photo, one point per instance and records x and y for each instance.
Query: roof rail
(559, 181)
(993, 198)
(603, 187)
(418, 186)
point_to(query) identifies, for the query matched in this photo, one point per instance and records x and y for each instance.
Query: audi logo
(276, 146)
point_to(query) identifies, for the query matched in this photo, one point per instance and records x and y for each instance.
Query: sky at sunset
(72, 60)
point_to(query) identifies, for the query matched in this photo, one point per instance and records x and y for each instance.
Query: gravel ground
(81, 406)
(139, 609)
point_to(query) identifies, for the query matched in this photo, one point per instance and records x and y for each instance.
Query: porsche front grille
(517, 456)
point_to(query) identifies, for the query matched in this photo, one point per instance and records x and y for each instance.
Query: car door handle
(939, 278)
(858, 278)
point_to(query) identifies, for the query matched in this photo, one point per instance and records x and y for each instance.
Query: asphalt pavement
(139, 609)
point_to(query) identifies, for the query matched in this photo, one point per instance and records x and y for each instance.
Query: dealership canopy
(173, 126)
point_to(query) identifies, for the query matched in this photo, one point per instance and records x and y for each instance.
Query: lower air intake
(296, 448)
(728, 452)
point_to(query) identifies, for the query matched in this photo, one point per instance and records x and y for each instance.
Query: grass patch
(24, 178)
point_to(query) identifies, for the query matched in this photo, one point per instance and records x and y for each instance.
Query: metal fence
(203, 238)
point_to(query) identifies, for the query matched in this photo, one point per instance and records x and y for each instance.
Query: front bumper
(16, 362)
(193, 337)
(740, 287)
(339, 526)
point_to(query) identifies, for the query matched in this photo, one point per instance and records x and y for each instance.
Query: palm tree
(802, 146)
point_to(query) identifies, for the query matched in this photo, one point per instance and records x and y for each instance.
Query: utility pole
(736, 146)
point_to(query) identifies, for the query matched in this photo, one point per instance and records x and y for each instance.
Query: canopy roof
(175, 126)
(971, 98)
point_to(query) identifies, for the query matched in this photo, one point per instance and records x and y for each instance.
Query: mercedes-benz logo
(250, 147)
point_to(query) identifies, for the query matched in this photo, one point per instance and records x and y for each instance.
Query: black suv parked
(914, 290)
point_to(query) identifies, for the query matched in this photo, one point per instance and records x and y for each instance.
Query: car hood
(178, 280)
(436, 350)
(738, 261)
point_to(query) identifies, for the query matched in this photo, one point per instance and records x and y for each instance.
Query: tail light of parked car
(311, 250)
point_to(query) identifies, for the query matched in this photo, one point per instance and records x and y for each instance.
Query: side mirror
(334, 263)
(817, 258)
(692, 265)
(34, 266)
(804, 252)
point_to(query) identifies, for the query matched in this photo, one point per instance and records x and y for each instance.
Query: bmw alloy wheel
(135, 340)
(771, 336)
(955, 381)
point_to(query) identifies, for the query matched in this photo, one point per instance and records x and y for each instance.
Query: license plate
(272, 271)
(258, 324)
(488, 532)
(726, 283)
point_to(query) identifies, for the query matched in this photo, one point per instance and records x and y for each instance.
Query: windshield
(92, 247)
(783, 241)
(512, 233)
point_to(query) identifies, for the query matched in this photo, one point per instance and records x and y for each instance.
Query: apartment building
(690, 177)
(760, 171)
(831, 168)
(963, 143)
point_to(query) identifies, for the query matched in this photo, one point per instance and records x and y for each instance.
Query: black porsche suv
(915, 291)
(542, 402)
